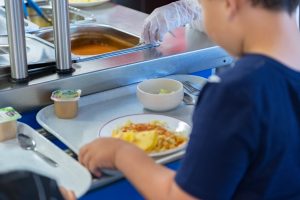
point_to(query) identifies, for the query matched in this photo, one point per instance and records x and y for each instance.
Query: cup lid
(8, 114)
(66, 95)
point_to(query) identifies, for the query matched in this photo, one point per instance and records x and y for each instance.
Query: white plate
(88, 4)
(69, 173)
(173, 124)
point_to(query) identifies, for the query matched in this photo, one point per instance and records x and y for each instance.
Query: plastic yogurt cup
(8, 123)
(66, 103)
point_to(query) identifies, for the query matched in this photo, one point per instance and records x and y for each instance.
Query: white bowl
(148, 92)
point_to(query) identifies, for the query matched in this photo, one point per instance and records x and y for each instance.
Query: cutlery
(188, 99)
(190, 88)
(27, 143)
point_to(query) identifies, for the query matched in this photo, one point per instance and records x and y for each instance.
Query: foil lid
(66, 95)
(8, 114)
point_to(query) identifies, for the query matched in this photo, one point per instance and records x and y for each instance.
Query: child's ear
(232, 7)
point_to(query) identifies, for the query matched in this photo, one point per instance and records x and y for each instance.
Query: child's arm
(152, 180)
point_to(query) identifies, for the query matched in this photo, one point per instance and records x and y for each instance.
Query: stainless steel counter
(188, 52)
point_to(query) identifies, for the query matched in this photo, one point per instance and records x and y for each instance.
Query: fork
(190, 88)
(188, 99)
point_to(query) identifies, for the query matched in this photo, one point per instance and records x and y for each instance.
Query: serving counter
(189, 51)
(186, 52)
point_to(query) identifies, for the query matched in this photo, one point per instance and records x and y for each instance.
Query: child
(245, 142)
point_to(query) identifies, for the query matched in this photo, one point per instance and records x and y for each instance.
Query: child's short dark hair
(286, 5)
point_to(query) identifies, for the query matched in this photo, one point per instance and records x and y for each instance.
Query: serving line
(189, 52)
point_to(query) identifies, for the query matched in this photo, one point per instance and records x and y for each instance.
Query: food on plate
(66, 103)
(151, 137)
(8, 123)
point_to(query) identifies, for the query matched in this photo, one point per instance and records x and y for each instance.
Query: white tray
(97, 109)
(69, 173)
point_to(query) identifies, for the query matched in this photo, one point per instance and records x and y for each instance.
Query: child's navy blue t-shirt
(245, 142)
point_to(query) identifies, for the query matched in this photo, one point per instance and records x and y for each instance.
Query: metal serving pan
(38, 51)
(29, 26)
(75, 15)
(91, 41)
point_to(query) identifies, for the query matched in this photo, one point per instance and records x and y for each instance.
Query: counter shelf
(190, 51)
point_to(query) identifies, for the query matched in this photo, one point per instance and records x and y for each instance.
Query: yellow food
(150, 137)
(164, 91)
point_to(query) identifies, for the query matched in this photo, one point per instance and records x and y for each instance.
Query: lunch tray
(97, 109)
(69, 173)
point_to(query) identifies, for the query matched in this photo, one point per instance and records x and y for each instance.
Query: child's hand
(100, 154)
(67, 194)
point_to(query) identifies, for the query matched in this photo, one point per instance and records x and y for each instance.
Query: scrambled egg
(146, 140)
(150, 137)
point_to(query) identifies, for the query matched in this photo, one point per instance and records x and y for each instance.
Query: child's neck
(275, 35)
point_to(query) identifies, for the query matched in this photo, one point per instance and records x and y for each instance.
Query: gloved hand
(166, 18)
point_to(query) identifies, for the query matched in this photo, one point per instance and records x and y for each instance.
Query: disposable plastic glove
(166, 18)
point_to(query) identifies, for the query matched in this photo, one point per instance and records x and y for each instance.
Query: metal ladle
(28, 143)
